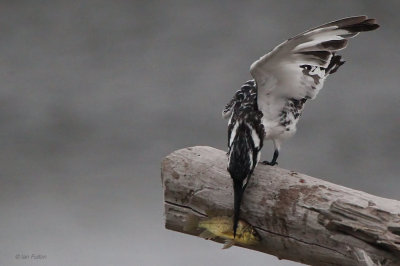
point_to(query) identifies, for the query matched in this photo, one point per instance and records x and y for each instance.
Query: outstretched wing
(297, 67)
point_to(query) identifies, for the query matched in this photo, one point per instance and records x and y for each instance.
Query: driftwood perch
(299, 218)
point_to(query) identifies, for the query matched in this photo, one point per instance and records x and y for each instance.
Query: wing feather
(283, 70)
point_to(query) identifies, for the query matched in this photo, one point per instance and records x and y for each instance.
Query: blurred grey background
(93, 94)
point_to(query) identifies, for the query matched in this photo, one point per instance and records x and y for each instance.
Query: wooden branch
(299, 217)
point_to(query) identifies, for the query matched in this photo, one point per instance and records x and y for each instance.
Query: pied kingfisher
(269, 106)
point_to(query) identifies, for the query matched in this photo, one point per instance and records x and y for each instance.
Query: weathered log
(299, 218)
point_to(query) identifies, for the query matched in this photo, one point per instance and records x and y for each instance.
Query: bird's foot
(269, 163)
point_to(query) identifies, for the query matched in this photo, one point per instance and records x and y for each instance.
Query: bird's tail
(243, 157)
(238, 195)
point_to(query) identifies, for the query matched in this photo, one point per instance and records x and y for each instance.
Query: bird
(269, 106)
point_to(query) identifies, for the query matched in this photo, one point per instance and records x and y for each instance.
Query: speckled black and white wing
(245, 130)
(298, 67)
(247, 94)
(245, 140)
(245, 134)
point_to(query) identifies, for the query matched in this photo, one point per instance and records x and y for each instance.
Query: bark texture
(299, 218)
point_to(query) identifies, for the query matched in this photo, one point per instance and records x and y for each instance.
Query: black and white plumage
(245, 140)
(270, 106)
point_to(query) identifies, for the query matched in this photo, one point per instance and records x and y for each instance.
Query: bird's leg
(274, 158)
(277, 145)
